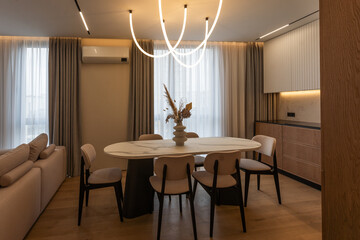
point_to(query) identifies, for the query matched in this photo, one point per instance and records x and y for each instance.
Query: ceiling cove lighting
(286, 25)
(172, 49)
(82, 16)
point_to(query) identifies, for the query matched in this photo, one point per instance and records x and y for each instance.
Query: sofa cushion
(37, 146)
(10, 177)
(47, 151)
(3, 151)
(14, 158)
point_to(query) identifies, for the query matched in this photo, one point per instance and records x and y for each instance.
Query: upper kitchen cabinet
(292, 60)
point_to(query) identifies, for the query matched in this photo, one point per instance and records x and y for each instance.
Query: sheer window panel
(200, 85)
(24, 88)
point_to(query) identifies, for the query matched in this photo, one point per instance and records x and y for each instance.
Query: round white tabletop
(156, 148)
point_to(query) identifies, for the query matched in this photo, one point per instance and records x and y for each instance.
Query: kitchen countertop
(294, 123)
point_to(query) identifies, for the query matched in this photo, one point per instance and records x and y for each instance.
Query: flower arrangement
(177, 114)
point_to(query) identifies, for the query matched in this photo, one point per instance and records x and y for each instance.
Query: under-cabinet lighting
(300, 93)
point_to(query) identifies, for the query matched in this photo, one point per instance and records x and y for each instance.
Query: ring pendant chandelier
(172, 49)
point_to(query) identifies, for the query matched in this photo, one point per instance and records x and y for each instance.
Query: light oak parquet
(299, 217)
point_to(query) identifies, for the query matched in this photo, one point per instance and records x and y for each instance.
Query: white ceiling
(240, 20)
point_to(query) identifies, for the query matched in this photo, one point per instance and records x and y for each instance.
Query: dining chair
(150, 137)
(199, 159)
(222, 170)
(173, 177)
(145, 137)
(250, 166)
(101, 178)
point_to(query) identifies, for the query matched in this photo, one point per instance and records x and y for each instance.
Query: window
(36, 82)
(24, 89)
(199, 85)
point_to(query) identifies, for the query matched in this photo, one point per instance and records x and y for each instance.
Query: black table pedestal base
(139, 195)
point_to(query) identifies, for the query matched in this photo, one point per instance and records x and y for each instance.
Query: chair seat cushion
(253, 165)
(105, 175)
(199, 160)
(206, 178)
(171, 186)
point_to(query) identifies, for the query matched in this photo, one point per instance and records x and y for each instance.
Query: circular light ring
(167, 53)
(206, 36)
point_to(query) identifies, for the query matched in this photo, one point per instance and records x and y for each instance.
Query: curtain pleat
(141, 109)
(259, 106)
(64, 78)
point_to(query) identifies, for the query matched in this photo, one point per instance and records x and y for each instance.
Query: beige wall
(305, 104)
(104, 101)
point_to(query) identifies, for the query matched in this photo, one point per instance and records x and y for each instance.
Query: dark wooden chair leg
(276, 178)
(87, 197)
(170, 198)
(212, 213)
(191, 199)
(195, 186)
(81, 203)
(242, 211)
(258, 181)
(247, 182)
(180, 203)
(121, 193)
(161, 200)
(118, 200)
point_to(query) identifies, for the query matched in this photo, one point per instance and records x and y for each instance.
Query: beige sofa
(30, 175)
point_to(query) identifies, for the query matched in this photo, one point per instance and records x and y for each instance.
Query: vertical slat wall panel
(292, 60)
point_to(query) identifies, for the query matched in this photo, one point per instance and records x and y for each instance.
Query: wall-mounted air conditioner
(105, 54)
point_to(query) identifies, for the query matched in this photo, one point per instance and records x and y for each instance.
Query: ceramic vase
(180, 134)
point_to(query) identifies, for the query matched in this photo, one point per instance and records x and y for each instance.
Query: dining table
(139, 195)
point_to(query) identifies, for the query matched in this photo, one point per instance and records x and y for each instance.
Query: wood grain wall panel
(302, 168)
(275, 131)
(340, 116)
(306, 136)
(308, 154)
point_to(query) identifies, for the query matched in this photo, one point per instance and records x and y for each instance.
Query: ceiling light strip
(82, 16)
(287, 25)
(274, 31)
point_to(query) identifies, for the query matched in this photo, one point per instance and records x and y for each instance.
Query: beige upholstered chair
(220, 168)
(106, 177)
(150, 137)
(173, 177)
(199, 159)
(250, 166)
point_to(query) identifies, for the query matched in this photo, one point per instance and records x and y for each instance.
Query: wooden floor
(298, 218)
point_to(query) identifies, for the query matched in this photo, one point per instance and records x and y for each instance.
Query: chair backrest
(176, 166)
(150, 137)
(89, 154)
(226, 162)
(192, 135)
(268, 144)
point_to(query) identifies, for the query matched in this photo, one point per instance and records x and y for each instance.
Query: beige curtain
(233, 89)
(259, 106)
(141, 109)
(64, 77)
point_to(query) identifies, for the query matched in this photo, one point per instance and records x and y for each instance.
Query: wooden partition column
(340, 118)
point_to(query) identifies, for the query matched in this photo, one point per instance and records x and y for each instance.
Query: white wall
(104, 102)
